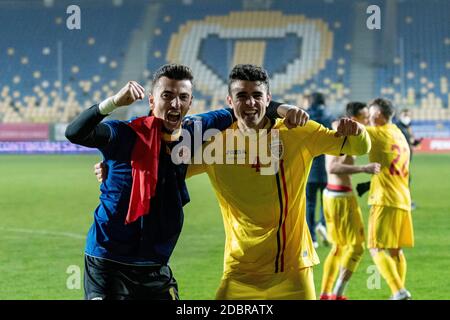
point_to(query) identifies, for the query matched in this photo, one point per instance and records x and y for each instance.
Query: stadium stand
(305, 48)
(49, 73)
(418, 75)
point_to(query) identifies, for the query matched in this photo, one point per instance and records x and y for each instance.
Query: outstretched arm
(86, 129)
(335, 165)
(356, 139)
(349, 138)
(221, 120)
(293, 115)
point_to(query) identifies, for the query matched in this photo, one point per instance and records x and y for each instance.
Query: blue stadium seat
(305, 47)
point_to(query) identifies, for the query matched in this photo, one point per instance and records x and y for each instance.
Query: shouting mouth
(173, 117)
(250, 113)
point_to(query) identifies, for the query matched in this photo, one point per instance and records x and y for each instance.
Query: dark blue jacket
(318, 172)
(152, 238)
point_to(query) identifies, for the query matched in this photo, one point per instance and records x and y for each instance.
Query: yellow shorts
(288, 285)
(390, 228)
(343, 217)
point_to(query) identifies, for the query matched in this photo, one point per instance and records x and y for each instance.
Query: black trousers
(311, 199)
(109, 280)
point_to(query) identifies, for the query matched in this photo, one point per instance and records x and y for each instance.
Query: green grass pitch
(46, 205)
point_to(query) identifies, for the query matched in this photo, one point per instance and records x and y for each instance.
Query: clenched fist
(348, 127)
(131, 92)
(372, 168)
(295, 117)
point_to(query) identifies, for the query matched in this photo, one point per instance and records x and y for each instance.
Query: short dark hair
(317, 98)
(353, 108)
(173, 71)
(248, 72)
(386, 107)
(406, 110)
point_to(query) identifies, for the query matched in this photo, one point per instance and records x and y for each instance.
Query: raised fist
(295, 117)
(131, 92)
(348, 127)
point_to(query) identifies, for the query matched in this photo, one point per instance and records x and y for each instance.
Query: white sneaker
(315, 244)
(322, 233)
(402, 294)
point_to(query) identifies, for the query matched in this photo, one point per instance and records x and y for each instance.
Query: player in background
(390, 223)
(403, 122)
(317, 179)
(343, 216)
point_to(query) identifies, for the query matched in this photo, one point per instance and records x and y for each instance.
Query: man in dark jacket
(129, 244)
(317, 180)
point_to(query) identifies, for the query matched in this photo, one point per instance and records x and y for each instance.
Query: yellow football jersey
(390, 187)
(263, 213)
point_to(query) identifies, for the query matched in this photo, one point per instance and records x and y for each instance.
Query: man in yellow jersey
(268, 249)
(343, 215)
(390, 222)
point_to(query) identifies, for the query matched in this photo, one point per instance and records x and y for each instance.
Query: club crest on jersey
(277, 149)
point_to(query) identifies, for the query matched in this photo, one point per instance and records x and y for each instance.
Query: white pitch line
(46, 232)
(10, 237)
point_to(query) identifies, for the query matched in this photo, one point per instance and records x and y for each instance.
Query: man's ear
(269, 98)
(229, 101)
(151, 101)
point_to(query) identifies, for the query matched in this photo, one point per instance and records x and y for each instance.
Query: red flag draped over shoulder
(144, 165)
